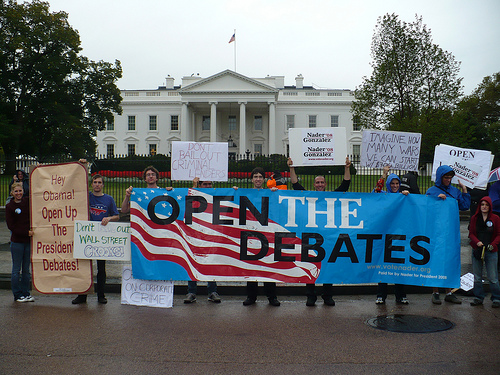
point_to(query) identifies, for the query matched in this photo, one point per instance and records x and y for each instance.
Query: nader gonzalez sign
(294, 237)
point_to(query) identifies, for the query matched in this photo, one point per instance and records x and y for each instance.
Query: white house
(251, 114)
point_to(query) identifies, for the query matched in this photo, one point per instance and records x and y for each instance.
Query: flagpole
(234, 50)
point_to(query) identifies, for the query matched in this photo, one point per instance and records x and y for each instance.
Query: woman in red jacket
(484, 234)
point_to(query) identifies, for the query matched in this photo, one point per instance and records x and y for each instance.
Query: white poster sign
(448, 155)
(466, 172)
(206, 160)
(150, 293)
(317, 146)
(399, 150)
(102, 242)
(467, 282)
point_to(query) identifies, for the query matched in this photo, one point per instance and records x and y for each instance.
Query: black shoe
(311, 300)
(80, 299)
(102, 300)
(476, 302)
(273, 301)
(328, 300)
(249, 301)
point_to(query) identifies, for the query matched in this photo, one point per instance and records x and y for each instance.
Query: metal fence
(123, 171)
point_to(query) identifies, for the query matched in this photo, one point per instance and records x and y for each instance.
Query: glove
(490, 247)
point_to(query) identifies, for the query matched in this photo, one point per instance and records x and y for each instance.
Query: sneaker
(21, 299)
(214, 297)
(102, 300)
(249, 301)
(328, 300)
(311, 300)
(495, 304)
(29, 298)
(435, 299)
(476, 302)
(79, 299)
(190, 298)
(380, 301)
(452, 299)
(273, 301)
(402, 301)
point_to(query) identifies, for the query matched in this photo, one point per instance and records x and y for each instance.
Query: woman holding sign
(17, 215)
(393, 183)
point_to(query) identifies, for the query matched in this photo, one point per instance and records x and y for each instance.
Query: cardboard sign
(467, 282)
(399, 150)
(95, 241)
(465, 172)
(59, 196)
(448, 155)
(149, 293)
(317, 146)
(206, 160)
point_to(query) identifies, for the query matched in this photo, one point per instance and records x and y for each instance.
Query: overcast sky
(328, 42)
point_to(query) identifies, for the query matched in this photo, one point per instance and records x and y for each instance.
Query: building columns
(243, 127)
(213, 121)
(184, 122)
(272, 128)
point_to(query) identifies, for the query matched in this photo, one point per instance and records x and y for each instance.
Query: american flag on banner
(207, 251)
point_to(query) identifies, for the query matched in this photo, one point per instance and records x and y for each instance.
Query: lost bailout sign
(351, 237)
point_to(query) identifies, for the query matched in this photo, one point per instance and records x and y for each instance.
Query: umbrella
(494, 175)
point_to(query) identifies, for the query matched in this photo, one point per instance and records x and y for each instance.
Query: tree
(480, 111)
(52, 99)
(413, 83)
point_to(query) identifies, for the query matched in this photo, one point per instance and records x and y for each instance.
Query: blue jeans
(491, 262)
(20, 282)
(193, 287)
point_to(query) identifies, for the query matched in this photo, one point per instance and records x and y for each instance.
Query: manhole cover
(409, 323)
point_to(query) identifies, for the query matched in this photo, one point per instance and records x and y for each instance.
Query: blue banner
(295, 237)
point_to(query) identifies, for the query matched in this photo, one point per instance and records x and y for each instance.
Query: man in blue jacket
(443, 189)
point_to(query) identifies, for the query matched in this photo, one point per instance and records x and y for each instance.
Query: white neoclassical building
(252, 114)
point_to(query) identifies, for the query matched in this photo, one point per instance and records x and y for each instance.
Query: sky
(328, 42)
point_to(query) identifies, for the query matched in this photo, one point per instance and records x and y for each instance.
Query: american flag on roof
(204, 251)
(233, 38)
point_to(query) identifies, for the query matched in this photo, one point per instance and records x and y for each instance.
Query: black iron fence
(121, 172)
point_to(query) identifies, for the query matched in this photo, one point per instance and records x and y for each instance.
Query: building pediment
(227, 82)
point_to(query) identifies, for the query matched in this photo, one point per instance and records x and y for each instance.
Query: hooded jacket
(492, 226)
(463, 199)
(391, 177)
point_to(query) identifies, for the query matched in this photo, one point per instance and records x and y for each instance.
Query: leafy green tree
(480, 111)
(52, 99)
(414, 83)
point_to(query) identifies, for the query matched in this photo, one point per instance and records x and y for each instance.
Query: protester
(320, 185)
(17, 215)
(484, 234)
(257, 177)
(393, 186)
(409, 182)
(494, 194)
(102, 207)
(151, 176)
(21, 177)
(213, 296)
(444, 189)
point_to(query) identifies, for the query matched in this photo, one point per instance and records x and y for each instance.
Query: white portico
(251, 114)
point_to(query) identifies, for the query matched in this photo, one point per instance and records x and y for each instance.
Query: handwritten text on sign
(400, 150)
(145, 292)
(104, 242)
(206, 160)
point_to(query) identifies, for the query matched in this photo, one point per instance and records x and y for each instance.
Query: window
(110, 150)
(232, 122)
(257, 123)
(356, 125)
(174, 122)
(131, 122)
(152, 149)
(205, 123)
(312, 121)
(356, 151)
(257, 149)
(334, 121)
(290, 121)
(153, 123)
(110, 125)
(131, 149)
